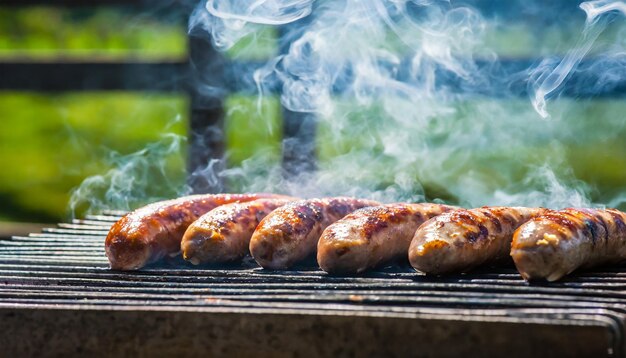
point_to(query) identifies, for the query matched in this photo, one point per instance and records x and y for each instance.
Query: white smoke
(230, 20)
(413, 103)
(394, 85)
(547, 79)
(133, 179)
(277, 12)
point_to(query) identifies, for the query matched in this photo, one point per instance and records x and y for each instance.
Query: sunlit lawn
(48, 144)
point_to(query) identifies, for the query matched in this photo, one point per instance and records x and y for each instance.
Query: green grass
(251, 129)
(499, 143)
(49, 32)
(49, 144)
(259, 45)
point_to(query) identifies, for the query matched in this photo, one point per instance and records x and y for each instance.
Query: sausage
(289, 234)
(370, 236)
(556, 243)
(154, 231)
(223, 234)
(460, 240)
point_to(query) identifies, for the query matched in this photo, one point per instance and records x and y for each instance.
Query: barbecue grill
(58, 297)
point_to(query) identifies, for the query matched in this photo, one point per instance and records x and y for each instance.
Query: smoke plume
(418, 99)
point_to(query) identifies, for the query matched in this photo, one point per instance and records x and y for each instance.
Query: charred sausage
(370, 236)
(154, 231)
(460, 240)
(556, 243)
(223, 234)
(289, 234)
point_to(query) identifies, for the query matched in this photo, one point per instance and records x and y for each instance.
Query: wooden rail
(73, 75)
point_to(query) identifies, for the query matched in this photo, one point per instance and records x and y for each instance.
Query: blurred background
(51, 141)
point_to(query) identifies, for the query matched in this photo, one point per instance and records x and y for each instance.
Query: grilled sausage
(154, 231)
(370, 236)
(223, 234)
(289, 234)
(556, 243)
(460, 240)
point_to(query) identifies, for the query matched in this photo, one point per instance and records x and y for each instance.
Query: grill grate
(65, 268)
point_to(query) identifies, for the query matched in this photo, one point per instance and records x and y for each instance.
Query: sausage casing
(370, 236)
(290, 233)
(155, 230)
(556, 243)
(460, 240)
(223, 234)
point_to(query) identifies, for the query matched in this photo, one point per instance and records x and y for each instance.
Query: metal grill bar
(66, 267)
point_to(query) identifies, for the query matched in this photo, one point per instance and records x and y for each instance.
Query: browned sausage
(223, 234)
(460, 240)
(370, 236)
(154, 231)
(556, 243)
(289, 234)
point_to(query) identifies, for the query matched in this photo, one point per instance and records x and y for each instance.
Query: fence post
(299, 128)
(206, 120)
